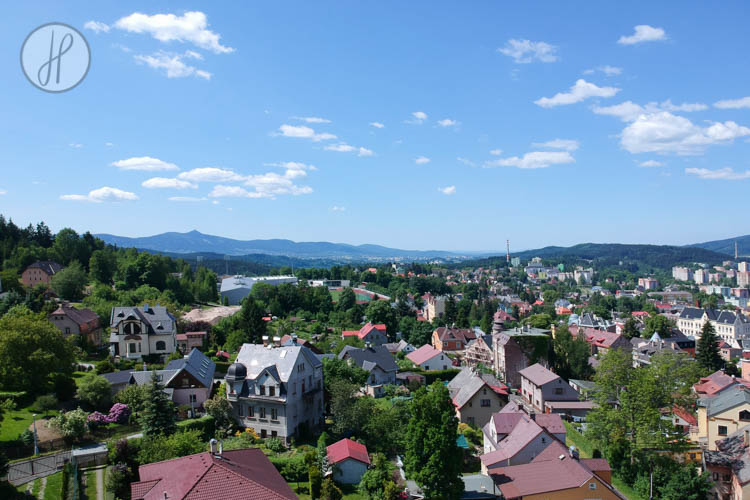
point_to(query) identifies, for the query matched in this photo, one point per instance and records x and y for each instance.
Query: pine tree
(708, 355)
(433, 458)
(158, 411)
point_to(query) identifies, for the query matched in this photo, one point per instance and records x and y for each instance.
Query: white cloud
(496, 152)
(211, 174)
(643, 33)
(365, 152)
(3, 191)
(303, 132)
(101, 195)
(187, 199)
(447, 122)
(167, 183)
(526, 51)
(172, 64)
(743, 102)
(651, 163)
(421, 160)
(268, 185)
(466, 162)
(337, 208)
(566, 144)
(533, 160)
(377, 124)
(419, 118)
(578, 92)
(722, 173)
(311, 119)
(190, 27)
(222, 191)
(109, 144)
(75, 145)
(629, 111)
(96, 26)
(145, 163)
(348, 148)
(664, 132)
(448, 190)
(607, 70)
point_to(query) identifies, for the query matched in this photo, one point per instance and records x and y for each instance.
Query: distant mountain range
(197, 242)
(727, 246)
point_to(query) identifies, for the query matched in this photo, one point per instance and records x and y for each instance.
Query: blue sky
(442, 125)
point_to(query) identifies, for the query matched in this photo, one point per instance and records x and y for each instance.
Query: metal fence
(28, 470)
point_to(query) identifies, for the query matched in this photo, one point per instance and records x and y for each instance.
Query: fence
(15, 452)
(23, 472)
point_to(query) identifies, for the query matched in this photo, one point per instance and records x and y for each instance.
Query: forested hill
(609, 254)
(727, 246)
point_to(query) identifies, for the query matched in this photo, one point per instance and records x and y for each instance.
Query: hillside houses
(369, 333)
(377, 361)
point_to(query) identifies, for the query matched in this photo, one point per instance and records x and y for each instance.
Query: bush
(26, 437)
(118, 481)
(95, 390)
(72, 424)
(119, 414)
(64, 386)
(316, 480)
(329, 491)
(444, 375)
(45, 403)
(222, 366)
(274, 444)
(105, 366)
(204, 425)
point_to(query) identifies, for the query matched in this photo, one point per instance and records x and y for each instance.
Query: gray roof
(724, 317)
(461, 379)
(467, 391)
(117, 378)
(726, 400)
(538, 374)
(48, 266)
(257, 357)
(196, 364)
(144, 377)
(732, 453)
(158, 319)
(370, 357)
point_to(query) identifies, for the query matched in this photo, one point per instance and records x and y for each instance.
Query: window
(262, 412)
(558, 390)
(722, 430)
(726, 478)
(486, 403)
(274, 434)
(193, 398)
(262, 389)
(263, 433)
(274, 414)
(67, 330)
(251, 411)
(592, 486)
(272, 391)
(161, 345)
(132, 347)
(240, 412)
(715, 476)
(301, 367)
(745, 416)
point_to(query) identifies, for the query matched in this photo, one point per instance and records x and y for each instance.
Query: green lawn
(350, 492)
(91, 484)
(53, 490)
(17, 421)
(36, 488)
(625, 489)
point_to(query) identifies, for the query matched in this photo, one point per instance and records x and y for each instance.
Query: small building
(540, 385)
(349, 460)
(378, 362)
(479, 352)
(212, 476)
(400, 346)
(429, 358)
(721, 415)
(138, 331)
(475, 398)
(447, 338)
(40, 273)
(188, 341)
(72, 321)
(236, 288)
(374, 334)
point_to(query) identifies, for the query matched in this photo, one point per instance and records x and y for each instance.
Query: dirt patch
(212, 315)
(43, 432)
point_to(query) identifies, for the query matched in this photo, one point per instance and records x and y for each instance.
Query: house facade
(188, 341)
(378, 362)
(447, 338)
(731, 327)
(72, 321)
(277, 391)
(429, 358)
(40, 273)
(479, 352)
(139, 331)
(721, 415)
(374, 334)
(349, 460)
(540, 385)
(513, 350)
(475, 398)
(434, 306)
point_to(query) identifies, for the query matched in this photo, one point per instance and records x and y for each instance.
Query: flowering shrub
(97, 419)
(119, 414)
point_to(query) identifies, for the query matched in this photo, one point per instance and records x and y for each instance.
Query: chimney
(277, 341)
(221, 447)
(368, 345)
(747, 438)
(265, 340)
(213, 443)
(294, 338)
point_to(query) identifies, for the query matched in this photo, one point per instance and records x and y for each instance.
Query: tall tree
(70, 282)
(571, 358)
(433, 458)
(158, 411)
(708, 349)
(251, 319)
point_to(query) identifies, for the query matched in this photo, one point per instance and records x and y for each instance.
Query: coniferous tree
(158, 411)
(433, 458)
(708, 349)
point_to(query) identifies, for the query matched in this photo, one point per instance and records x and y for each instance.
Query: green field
(335, 294)
(16, 421)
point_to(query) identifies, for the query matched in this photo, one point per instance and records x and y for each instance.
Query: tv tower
(507, 252)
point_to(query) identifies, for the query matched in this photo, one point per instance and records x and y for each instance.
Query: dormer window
(262, 390)
(272, 391)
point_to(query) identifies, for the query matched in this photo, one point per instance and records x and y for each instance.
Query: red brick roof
(714, 383)
(685, 415)
(538, 375)
(245, 474)
(364, 331)
(346, 448)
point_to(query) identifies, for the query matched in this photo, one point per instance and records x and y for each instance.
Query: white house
(349, 460)
(429, 358)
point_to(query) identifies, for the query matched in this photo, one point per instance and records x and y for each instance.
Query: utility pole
(36, 440)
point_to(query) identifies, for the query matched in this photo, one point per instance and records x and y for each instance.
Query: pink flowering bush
(119, 414)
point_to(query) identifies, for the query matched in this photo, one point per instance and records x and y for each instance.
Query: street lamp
(36, 445)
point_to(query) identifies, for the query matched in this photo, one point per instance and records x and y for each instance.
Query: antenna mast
(507, 252)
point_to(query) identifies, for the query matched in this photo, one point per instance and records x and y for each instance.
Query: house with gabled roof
(138, 331)
(349, 460)
(375, 334)
(377, 361)
(429, 358)
(448, 338)
(721, 415)
(601, 341)
(40, 273)
(479, 352)
(731, 327)
(540, 385)
(476, 396)
(729, 466)
(515, 349)
(72, 321)
(226, 475)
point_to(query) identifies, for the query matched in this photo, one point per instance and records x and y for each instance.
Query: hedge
(222, 366)
(205, 425)
(444, 375)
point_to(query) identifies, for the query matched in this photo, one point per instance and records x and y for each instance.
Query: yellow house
(721, 415)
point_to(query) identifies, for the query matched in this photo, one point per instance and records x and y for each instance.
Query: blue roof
(197, 364)
(461, 442)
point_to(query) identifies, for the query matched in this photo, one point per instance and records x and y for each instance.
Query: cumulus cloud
(365, 152)
(173, 65)
(419, 117)
(211, 174)
(533, 160)
(447, 122)
(187, 199)
(448, 190)
(101, 195)
(580, 91)
(97, 27)
(496, 152)
(421, 160)
(566, 144)
(145, 163)
(191, 27)
(348, 148)
(167, 183)
(743, 102)
(303, 132)
(629, 111)
(607, 70)
(643, 33)
(3, 191)
(651, 163)
(664, 132)
(311, 119)
(526, 51)
(720, 174)
(377, 124)
(268, 185)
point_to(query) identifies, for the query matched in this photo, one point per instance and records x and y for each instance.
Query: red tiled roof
(463, 334)
(685, 415)
(364, 331)
(714, 383)
(540, 477)
(424, 353)
(600, 338)
(538, 375)
(551, 422)
(245, 474)
(346, 448)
